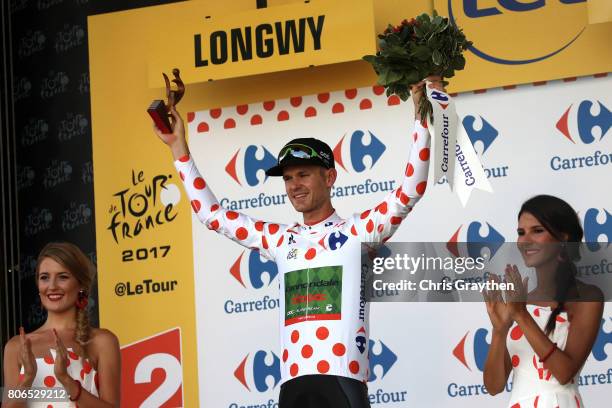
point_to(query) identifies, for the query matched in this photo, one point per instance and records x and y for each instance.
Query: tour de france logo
(147, 203)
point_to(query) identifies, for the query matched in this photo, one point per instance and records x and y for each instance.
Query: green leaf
(437, 57)
(422, 52)
(459, 62)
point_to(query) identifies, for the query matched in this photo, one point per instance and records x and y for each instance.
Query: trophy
(159, 111)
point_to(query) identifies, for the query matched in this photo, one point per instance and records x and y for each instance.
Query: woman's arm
(564, 364)
(106, 347)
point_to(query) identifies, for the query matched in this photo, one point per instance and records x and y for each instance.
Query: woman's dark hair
(561, 221)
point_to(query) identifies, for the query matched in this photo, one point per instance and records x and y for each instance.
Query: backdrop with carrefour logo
(196, 314)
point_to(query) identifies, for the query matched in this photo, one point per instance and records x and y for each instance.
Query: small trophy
(159, 111)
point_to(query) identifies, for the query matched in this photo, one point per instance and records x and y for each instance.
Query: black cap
(316, 152)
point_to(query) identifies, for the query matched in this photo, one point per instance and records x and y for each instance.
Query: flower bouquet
(415, 49)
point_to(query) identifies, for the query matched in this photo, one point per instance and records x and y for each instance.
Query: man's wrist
(179, 149)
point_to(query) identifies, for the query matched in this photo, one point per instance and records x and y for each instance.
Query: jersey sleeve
(246, 231)
(378, 224)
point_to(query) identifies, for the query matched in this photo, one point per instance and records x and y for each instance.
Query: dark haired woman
(546, 335)
(65, 352)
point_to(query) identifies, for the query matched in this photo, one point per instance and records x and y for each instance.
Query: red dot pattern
(203, 127)
(424, 154)
(365, 104)
(199, 183)
(285, 355)
(282, 116)
(256, 120)
(421, 187)
(310, 254)
(339, 349)
(338, 108)
(307, 351)
(350, 93)
(515, 360)
(49, 381)
(295, 336)
(354, 367)
(196, 205)
(322, 333)
(231, 215)
(409, 170)
(323, 366)
(310, 112)
(242, 109)
(229, 123)
(242, 233)
(295, 101)
(294, 370)
(215, 113)
(516, 333)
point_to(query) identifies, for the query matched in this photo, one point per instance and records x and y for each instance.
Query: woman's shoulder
(588, 292)
(103, 338)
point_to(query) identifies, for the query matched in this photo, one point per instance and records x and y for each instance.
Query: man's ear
(332, 174)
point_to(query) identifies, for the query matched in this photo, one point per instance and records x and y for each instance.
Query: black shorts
(323, 391)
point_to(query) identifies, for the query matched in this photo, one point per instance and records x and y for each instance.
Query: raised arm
(244, 230)
(380, 223)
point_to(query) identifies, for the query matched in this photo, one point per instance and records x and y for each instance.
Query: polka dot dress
(78, 368)
(323, 310)
(534, 386)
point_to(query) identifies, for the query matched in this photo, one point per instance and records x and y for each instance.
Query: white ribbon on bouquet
(453, 153)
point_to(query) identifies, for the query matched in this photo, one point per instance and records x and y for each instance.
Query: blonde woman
(65, 352)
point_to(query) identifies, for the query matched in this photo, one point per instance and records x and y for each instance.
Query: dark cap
(303, 151)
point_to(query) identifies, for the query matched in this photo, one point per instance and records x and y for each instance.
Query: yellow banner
(600, 11)
(207, 46)
(517, 41)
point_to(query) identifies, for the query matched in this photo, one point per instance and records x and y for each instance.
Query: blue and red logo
(603, 339)
(472, 350)
(475, 241)
(385, 359)
(356, 149)
(252, 270)
(250, 166)
(593, 228)
(485, 134)
(580, 124)
(253, 372)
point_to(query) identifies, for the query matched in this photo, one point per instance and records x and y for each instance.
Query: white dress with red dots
(78, 368)
(323, 311)
(533, 385)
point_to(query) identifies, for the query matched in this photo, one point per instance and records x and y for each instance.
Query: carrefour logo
(249, 271)
(472, 351)
(597, 223)
(249, 165)
(502, 31)
(477, 238)
(586, 123)
(385, 359)
(603, 339)
(356, 148)
(253, 270)
(253, 372)
(579, 123)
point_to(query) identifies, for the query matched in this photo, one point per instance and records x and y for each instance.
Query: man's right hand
(175, 140)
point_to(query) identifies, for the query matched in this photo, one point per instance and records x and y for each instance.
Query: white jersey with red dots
(78, 368)
(323, 310)
(533, 385)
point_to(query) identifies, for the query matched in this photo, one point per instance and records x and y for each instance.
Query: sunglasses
(299, 151)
